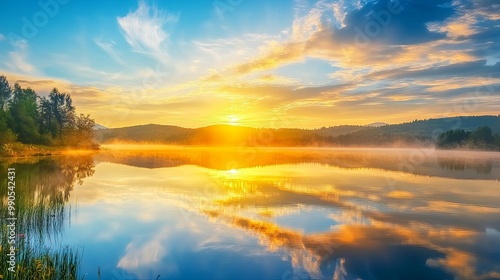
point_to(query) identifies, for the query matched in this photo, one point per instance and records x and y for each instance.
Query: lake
(268, 213)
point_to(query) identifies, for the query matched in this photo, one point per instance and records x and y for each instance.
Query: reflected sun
(233, 171)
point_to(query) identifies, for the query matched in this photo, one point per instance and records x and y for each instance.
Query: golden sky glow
(301, 64)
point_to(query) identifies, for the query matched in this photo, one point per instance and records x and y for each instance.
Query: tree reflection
(42, 190)
(419, 162)
(481, 166)
(48, 178)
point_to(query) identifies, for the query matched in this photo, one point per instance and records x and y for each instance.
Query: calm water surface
(256, 213)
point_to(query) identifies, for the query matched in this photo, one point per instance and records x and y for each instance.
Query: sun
(233, 120)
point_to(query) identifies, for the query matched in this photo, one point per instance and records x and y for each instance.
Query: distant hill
(377, 124)
(418, 132)
(334, 131)
(98, 126)
(150, 133)
(431, 127)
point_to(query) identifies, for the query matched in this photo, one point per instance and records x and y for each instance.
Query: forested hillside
(416, 133)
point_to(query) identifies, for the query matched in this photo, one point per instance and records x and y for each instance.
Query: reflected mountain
(416, 229)
(484, 165)
(193, 213)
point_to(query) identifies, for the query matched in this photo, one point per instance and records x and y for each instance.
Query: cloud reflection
(328, 217)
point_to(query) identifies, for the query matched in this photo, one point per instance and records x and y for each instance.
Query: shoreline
(20, 150)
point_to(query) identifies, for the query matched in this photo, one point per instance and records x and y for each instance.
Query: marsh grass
(39, 226)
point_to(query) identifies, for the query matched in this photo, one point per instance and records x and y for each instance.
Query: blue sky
(263, 63)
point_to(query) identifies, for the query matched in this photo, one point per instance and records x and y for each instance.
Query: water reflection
(288, 214)
(481, 166)
(427, 162)
(42, 190)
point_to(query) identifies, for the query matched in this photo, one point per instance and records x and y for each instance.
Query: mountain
(334, 131)
(98, 126)
(418, 132)
(151, 133)
(377, 124)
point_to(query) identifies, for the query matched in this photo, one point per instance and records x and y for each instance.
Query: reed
(40, 223)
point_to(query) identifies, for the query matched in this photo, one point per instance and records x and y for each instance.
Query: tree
(81, 135)
(24, 112)
(49, 128)
(42, 120)
(483, 134)
(58, 113)
(481, 138)
(5, 92)
(453, 138)
(6, 134)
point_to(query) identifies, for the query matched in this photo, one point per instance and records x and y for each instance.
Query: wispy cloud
(108, 47)
(147, 30)
(18, 61)
(2, 37)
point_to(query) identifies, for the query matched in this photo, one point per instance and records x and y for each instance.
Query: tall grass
(41, 212)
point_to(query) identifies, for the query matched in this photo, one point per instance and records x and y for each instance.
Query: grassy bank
(28, 150)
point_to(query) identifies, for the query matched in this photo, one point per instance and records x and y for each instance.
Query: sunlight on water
(289, 214)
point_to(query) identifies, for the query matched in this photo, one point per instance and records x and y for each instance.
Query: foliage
(481, 138)
(6, 134)
(32, 119)
(5, 92)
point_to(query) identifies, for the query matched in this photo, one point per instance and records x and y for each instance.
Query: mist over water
(282, 213)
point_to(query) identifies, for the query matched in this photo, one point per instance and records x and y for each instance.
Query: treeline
(377, 137)
(29, 118)
(413, 134)
(481, 139)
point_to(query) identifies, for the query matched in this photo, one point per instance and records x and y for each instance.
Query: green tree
(81, 135)
(453, 138)
(42, 120)
(6, 134)
(483, 134)
(5, 92)
(57, 114)
(24, 111)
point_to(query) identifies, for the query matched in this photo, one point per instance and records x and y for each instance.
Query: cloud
(18, 61)
(147, 30)
(108, 47)
(140, 253)
(373, 43)
(377, 33)
(466, 69)
(2, 37)
(394, 22)
(383, 34)
(304, 26)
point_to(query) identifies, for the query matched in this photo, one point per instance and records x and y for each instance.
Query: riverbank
(28, 150)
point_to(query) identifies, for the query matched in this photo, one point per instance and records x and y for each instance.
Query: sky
(275, 63)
